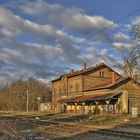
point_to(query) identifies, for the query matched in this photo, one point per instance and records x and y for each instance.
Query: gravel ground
(91, 136)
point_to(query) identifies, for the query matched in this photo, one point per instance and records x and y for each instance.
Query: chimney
(72, 71)
(135, 77)
(84, 66)
(113, 77)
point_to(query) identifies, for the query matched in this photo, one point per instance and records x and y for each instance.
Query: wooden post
(75, 108)
(89, 108)
(113, 108)
(107, 102)
(83, 107)
(96, 107)
(71, 108)
(65, 107)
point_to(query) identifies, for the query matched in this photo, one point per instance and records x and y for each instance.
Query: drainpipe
(113, 77)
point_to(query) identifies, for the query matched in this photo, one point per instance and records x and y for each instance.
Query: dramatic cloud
(70, 18)
(14, 25)
(45, 40)
(93, 56)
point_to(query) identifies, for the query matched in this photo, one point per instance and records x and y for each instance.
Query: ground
(72, 127)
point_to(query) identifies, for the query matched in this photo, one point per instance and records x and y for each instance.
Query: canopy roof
(93, 97)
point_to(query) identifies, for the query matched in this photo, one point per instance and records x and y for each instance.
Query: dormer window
(64, 78)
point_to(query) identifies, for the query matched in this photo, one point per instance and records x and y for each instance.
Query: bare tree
(13, 97)
(136, 39)
(130, 62)
(136, 31)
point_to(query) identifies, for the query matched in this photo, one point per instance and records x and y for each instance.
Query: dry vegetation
(64, 125)
(14, 97)
(63, 130)
(9, 129)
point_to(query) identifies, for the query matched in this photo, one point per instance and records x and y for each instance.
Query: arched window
(64, 79)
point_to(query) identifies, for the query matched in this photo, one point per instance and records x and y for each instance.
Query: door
(134, 102)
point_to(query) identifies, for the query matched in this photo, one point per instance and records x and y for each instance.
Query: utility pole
(27, 101)
(38, 99)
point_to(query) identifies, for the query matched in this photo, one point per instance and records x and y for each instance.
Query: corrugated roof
(121, 81)
(93, 97)
(110, 85)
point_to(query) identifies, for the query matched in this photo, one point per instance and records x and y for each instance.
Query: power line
(97, 33)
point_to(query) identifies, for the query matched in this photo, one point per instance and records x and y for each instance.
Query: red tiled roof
(93, 97)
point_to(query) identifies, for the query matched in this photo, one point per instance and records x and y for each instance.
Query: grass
(70, 117)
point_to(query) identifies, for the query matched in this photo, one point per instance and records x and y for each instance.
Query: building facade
(95, 90)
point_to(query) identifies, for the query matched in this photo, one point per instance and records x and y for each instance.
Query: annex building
(95, 90)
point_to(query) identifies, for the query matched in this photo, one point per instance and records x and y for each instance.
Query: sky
(46, 38)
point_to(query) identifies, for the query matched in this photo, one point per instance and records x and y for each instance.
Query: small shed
(45, 106)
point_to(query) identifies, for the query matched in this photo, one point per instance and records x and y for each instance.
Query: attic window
(101, 74)
(63, 79)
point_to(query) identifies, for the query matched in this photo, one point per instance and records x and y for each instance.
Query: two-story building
(98, 89)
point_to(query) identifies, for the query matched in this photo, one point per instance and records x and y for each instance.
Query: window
(63, 89)
(59, 90)
(77, 87)
(54, 91)
(64, 79)
(70, 88)
(101, 73)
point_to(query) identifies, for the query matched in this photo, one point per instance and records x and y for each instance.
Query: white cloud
(136, 20)
(70, 18)
(121, 37)
(38, 37)
(128, 27)
(121, 46)
(15, 25)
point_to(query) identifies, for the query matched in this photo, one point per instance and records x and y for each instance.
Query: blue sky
(45, 38)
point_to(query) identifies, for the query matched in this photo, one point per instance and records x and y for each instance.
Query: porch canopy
(93, 97)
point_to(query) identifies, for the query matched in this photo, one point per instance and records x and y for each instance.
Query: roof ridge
(82, 71)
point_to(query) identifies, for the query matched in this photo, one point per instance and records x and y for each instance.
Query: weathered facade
(96, 90)
(45, 107)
